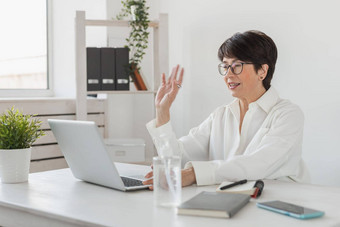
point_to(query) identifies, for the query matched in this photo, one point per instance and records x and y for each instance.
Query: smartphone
(290, 209)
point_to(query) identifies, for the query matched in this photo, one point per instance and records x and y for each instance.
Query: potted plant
(17, 134)
(137, 12)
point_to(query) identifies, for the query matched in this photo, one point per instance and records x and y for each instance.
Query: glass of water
(167, 181)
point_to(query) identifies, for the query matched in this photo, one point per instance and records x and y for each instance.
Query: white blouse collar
(266, 102)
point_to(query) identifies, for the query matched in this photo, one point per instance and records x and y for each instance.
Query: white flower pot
(14, 165)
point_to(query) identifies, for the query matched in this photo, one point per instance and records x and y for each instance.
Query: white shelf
(121, 92)
(116, 23)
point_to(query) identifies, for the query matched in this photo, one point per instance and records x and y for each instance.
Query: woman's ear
(262, 73)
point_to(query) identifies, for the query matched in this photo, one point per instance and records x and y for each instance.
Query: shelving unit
(160, 64)
(160, 57)
(122, 92)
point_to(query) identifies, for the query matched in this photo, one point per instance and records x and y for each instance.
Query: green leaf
(138, 37)
(18, 130)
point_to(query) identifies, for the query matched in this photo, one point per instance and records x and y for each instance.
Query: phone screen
(299, 211)
(286, 207)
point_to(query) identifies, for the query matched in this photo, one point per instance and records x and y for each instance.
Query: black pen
(233, 184)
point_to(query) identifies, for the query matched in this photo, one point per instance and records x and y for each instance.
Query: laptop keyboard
(129, 182)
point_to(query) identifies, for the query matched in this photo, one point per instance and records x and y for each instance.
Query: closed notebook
(213, 204)
(247, 188)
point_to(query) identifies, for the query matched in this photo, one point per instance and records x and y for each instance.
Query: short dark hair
(252, 46)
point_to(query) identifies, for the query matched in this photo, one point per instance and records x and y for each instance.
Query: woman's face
(246, 85)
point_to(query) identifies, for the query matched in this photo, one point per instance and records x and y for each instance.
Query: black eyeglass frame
(232, 68)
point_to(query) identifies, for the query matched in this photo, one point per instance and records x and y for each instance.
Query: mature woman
(257, 136)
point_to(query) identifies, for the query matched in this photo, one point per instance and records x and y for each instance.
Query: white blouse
(268, 147)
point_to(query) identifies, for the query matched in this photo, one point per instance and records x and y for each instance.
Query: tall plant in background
(137, 12)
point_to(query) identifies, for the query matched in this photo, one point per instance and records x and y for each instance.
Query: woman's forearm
(162, 117)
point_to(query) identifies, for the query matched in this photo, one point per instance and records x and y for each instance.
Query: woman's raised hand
(166, 94)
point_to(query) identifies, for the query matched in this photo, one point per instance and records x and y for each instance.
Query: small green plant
(138, 38)
(18, 131)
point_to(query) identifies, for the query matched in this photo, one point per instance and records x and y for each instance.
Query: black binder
(108, 68)
(93, 69)
(122, 72)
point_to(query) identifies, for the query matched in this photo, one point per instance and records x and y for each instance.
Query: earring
(261, 77)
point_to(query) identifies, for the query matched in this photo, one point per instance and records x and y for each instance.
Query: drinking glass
(167, 181)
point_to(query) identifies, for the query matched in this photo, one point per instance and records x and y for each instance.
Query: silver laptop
(86, 154)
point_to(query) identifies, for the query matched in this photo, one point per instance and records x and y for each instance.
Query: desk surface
(56, 198)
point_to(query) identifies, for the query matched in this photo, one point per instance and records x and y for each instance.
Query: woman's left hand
(188, 178)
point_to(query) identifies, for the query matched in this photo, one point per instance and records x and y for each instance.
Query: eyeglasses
(236, 68)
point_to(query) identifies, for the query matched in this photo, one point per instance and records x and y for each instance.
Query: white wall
(307, 37)
(63, 22)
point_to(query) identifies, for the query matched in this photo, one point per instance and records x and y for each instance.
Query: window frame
(15, 93)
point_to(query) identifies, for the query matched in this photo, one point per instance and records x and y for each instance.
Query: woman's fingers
(163, 79)
(173, 74)
(168, 90)
(174, 90)
(175, 86)
(180, 79)
(148, 175)
(149, 181)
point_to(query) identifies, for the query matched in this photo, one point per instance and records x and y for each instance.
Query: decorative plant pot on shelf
(137, 78)
(14, 165)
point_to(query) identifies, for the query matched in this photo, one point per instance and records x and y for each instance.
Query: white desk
(56, 198)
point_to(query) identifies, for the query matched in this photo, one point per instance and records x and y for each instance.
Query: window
(24, 46)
